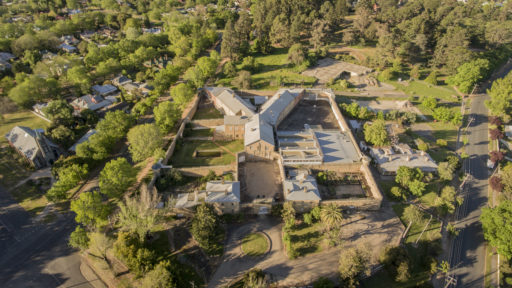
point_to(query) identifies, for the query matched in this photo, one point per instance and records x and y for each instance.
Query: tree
(495, 183)
(79, 239)
(445, 171)
(230, 43)
(376, 133)
(206, 228)
(495, 134)
(144, 140)
(79, 77)
(497, 226)
(396, 261)
(255, 278)
(182, 94)
(432, 78)
(63, 135)
(416, 187)
(203, 70)
(331, 216)
(413, 214)
(429, 102)
(319, 32)
(116, 124)
(280, 31)
(288, 215)
(116, 177)
(139, 215)
(398, 193)
(34, 88)
(99, 245)
(501, 97)
(296, 54)
(353, 265)
(167, 115)
(90, 210)
(496, 156)
(159, 277)
(68, 178)
(405, 175)
(506, 178)
(59, 110)
(323, 282)
(469, 74)
(243, 80)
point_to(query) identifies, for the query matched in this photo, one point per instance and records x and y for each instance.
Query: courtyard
(311, 112)
(205, 153)
(259, 180)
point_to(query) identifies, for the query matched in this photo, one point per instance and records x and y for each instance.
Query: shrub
(496, 156)
(429, 102)
(422, 145)
(496, 184)
(308, 218)
(398, 193)
(441, 142)
(496, 134)
(432, 78)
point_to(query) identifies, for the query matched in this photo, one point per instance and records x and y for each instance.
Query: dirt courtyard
(312, 113)
(262, 180)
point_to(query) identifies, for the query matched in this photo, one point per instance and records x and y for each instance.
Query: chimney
(226, 191)
(305, 190)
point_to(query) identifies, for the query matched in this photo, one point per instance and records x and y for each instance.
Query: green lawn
(31, 197)
(421, 88)
(274, 72)
(23, 118)
(432, 233)
(383, 280)
(207, 113)
(254, 244)
(198, 133)
(183, 156)
(306, 239)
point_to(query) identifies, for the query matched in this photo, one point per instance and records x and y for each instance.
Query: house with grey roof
(82, 140)
(35, 148)
(92, 102)
(223, 195)
(227, 101)
(121, 80)
(389, 159)
(301, 189)
(259, 138)
(68, 48)
(280, 105)
(104, 90)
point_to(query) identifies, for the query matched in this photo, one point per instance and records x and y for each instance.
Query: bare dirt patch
(313, 113)
(262, 180)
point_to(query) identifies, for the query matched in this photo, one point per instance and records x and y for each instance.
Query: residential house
(259, 138)
(131, 88)
(145, 89)
(68, 48)
(69, 39)
(223, 195)
(158, 63)
(389, 159)
(154, 30)
(121, 80)
(92, 102)
(35, 148)
(82, 140)
(301, 189)
(104, 90)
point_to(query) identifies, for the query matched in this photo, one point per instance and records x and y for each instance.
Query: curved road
(36, 254)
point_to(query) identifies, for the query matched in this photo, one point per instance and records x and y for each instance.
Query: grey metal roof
(104, 89)
(391, 158)
(229, 191)
(301, 188)
(235, 120)
(91, 102)
(82, 139)
(272, 109)
(257, 129)
(24, 139)
(236, 104)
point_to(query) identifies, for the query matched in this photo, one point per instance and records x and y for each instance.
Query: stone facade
(234, 131)
(260, 149)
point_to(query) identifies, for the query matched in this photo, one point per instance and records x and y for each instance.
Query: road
(467, 251)
(36, 254)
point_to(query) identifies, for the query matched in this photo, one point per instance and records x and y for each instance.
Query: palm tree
(331, 216)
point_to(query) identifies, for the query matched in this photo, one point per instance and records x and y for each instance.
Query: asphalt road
(36, 254)
(467, 253)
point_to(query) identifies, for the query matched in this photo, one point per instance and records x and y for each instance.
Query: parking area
(261, 180)
(311, 112)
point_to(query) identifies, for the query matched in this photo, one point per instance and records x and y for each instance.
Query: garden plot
(388, 105)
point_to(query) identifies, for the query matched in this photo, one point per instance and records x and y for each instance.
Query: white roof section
(272, 109)
(391, 158)
(302, 187)
(257, 129)
(221, 192)
(24, 139)
(82, 139)
(508, 131)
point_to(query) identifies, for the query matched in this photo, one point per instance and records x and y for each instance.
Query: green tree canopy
(144, 140)
(90, 210)
(182, 94)
(117, 176)
(59, 110)
(497, 225)
(469, 74)
(167, 114)
(353, 265)
(376, 133)
(206, 228)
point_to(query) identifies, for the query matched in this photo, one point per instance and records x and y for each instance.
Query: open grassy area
(198, 133)
(254, 244)
(383, 280)
(274, 72)
(432, 233)
(31, 196)
(305, 239)
(421, 88)
(183, 156)
(23, 118)
(207, 113)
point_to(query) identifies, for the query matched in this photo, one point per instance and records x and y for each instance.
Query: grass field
(207, 113)
(274, 72)
(31, 197)
(23, 118)
(183, 156)
(421, 88)
(306, 239)
(198, 133)
(254, 244)
(432, 233)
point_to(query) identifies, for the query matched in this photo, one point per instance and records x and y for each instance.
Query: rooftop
(233, 102)
(104, 89)
(301, 187)
(257, 129)
(272, 109)
(391, 158)
(328, 69)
